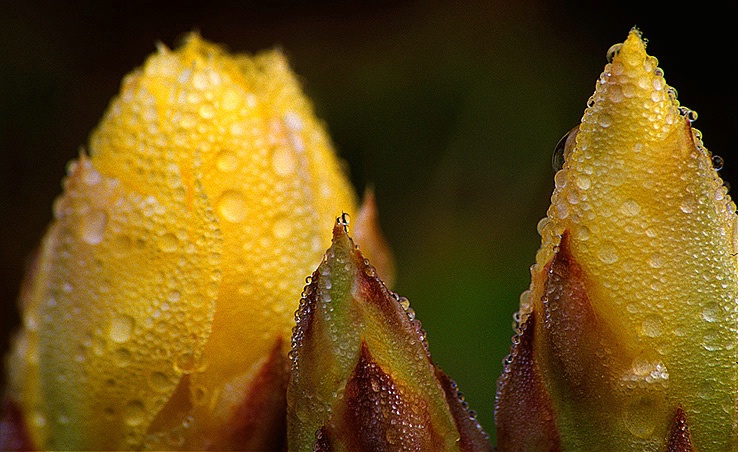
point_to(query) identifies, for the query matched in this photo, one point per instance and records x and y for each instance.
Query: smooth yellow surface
(655, 233)
(216, 191)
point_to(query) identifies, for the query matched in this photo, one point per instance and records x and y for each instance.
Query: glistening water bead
(563, 148)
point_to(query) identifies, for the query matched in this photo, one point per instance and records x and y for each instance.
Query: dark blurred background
(450, 109)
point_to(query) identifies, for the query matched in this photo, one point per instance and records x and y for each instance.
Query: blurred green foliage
(449, 109)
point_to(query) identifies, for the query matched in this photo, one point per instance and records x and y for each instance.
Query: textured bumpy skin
(362, 378)
(628, 333)
(164, 290)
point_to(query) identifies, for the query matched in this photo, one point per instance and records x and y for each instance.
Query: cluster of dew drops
(691, 115)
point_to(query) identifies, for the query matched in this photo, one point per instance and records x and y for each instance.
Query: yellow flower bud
(627, 337)
(165, 289)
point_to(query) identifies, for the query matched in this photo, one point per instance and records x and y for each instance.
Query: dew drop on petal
(185, 363)
(582, 181)
(718, 162)
(92, 226)
(711, 313)
(651, 326)
(159, 381)
(655, 260)
(639, 416)
(231, 206)
(168, 243)
(120, 328)
(630, 208)
(134, 413)
(613, 51)
(607, 254)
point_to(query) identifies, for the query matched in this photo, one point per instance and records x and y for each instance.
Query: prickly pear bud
(627, 338)
(362, 378)
(159, 311)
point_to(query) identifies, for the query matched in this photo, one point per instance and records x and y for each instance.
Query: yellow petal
(272, 178)
(123, 296)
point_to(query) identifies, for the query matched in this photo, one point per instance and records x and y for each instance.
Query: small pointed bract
(362, 378)
(629, 328)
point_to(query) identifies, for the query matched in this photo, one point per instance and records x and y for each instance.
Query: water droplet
(655, 260)
(605, 120)
(563, 148)
(174, 296)
(134, 413)
(122, 357)
(630, 208)
(651, 326)
(282, 228)
(283, 161)
(227, 161)
(159, 381)
(582, 181)
(607, 254)
(689, 114)
(711, 342)
(711, 313)
(120, 328)
(92, 226)
(687, 206)
(168, 243)
(232, 207)
(718, 162)
(185, 363)
(640, 416)
(541, 224)
(613, 51)
(404, 303)
(207, 111)
(582, 233)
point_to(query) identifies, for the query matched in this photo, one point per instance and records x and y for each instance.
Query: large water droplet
(159, 381)
(711, 313)
(92, 226)
(687, 206)
(120, 328)
(640, 416)
(607, 254)
(122, 357)
(656, 260)
(185, 363)
(582, 181)
(563, 148)
(630, 208)
(718, 162)
(613, 51)
(231, 206)
(134, 413)
(651, 326)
